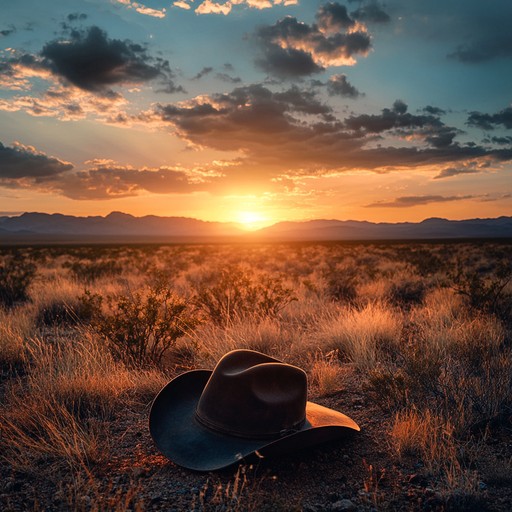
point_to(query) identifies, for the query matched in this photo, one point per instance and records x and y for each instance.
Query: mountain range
(119, 226)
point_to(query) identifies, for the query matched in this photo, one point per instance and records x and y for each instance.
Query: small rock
(482, 486)
(343, 506)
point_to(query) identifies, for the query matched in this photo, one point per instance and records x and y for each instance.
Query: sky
(257, 111)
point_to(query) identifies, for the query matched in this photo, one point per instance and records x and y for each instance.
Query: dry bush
(460, 366)
(232, 292)
(16, 274)
(361, 334)
(140, 327)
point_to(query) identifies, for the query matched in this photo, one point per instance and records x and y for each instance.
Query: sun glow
(252, 220)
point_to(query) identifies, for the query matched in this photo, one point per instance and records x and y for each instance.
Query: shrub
(140, 328)
(16, 275)
(486, 289)
(406, 293)
(232, 293)
(90, 271)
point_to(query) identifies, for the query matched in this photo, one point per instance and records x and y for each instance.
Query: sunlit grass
(390, 317)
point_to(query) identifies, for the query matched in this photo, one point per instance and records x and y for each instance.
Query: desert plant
(361, 334)
(326, 372)
(486, 289)
(233, 293)
(16, 275)
(89, 271)
(140, 328)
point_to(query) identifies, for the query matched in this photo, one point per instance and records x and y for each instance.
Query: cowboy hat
(250, 403)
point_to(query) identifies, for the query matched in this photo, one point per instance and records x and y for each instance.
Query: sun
(251, 220)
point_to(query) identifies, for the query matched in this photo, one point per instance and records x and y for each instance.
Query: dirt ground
(357, 473)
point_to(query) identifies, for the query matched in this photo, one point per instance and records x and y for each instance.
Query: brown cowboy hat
(250, 403)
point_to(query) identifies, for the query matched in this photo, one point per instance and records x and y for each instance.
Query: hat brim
(185, 441)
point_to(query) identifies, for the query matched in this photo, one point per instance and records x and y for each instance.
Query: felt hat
(250, 403)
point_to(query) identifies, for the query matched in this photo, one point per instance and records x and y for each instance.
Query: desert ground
(412, 340)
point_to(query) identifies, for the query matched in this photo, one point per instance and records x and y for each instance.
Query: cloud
(228, 78)
(93, 62)
(410, 201)
(338, 85)
(205, 71)
(333, 17)
(24, 167)
(426, 127)
(292, 48)
(506, 140)
(489, 121)
(7, 31)
(449, 172)
(20, 161)
(81, 73)
(372, 12)
(435, 111)
(143, 9)
(225, 7)
(68, 104)
(491, 46)
(293, 133)
(116, 181)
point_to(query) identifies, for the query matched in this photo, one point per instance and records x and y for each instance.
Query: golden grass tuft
(360, 334)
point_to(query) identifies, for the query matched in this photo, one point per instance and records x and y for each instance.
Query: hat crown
(252, 395)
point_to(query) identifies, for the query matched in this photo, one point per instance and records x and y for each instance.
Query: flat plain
(411, 339)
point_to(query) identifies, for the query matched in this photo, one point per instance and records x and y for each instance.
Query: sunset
(284, 109)
(256, 256)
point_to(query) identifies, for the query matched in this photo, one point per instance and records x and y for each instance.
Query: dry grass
(55, 413)
(326, 373)
(439, 365)
(360, 334)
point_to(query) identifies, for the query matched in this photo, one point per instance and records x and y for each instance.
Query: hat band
(267, 435)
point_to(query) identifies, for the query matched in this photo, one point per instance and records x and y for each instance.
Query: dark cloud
(76, 16)
(371, 12)
(292, 48)
(409, 201)
(494, 45)
(490, 121)
(225, 77)
(506, 140)
(333, 17)
(435, 111)
(24, 167)
(293, 133)
(205, 71)
(397, 120)
(93, 62)
(287, 62)
(8, 31)
(450, 172)
(19, 162)
(338, 85)
(115, 182)
(228, 78)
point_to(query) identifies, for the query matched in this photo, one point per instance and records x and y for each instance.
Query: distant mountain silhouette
(363, 230)
(117, 226)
